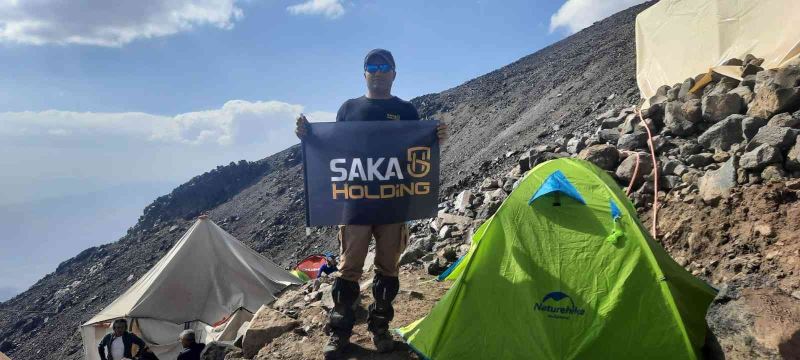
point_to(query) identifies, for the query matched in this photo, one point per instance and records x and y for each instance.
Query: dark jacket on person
(192, 352)
(128, 340)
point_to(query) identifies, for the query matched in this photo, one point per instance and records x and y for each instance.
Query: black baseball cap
(385, 54)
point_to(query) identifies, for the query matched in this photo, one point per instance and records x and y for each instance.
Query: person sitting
(191, 349)
(119, 344)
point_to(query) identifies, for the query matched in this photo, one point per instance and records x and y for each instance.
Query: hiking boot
(335, 347)
(383, 341)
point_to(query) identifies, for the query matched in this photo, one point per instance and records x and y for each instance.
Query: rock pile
(726, 133)
(707, 142)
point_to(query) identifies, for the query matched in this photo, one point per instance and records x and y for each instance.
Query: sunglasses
(372, 68)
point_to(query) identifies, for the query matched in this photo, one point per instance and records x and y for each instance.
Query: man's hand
(302, 126)
(441, 131)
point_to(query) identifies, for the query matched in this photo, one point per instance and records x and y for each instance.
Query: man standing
(191, 349)
(118, 345)
(390, 239)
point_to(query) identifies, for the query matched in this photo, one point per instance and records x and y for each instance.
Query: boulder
(662, 144)
(700, 160)
(723, 134)
(751, 69)
(611, 123)
(610, 136)
(719, 106)
(605, 115)
(750, 126)
(717, 184)
(417, 249)
(625, 170)
(793, 156)
(629, 125)
(604, 156)
(672, 93)
(690, 147)
(489, 184)
(461, 222)
(680, 170)
(745, 94)
(749, 81)
(525, 161)
(721, 156)
(445, 232)
(216, 351)
(668, 167)
(464, 200)
(773, 172)
(488, 209)
(576, 144)
(434, 267)
(681, 118)
(753, 322)
(508, 185)
(780, 137)
(267, 324)
(758, 158)
(684, 94)
(785, 120)
(776, 90)
(632, 141)
(670, 182)
(733, 61)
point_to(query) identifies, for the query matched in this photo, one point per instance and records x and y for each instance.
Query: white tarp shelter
(678, 39)
(209, 282)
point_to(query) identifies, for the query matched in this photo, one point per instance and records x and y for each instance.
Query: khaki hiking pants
(390, 242)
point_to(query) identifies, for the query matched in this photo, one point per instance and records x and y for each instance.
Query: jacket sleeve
(102, 348)
(138, 341)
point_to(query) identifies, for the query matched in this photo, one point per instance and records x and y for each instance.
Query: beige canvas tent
(208, 281)
(678, 39)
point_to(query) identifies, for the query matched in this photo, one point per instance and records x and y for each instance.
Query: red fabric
(310, 265)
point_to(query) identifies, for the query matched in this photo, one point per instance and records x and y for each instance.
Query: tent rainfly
(208, 281)
(565, 270)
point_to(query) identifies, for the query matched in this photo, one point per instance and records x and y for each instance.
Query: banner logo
(419, 161)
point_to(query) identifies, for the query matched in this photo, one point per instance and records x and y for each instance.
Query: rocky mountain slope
(550, 97)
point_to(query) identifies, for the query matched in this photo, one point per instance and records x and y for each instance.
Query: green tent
(565, 270)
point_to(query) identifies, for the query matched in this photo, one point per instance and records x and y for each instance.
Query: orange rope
(635, 171)
(655, 172)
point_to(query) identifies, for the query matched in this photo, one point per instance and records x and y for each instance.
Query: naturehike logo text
(557, 308)
(349, 172)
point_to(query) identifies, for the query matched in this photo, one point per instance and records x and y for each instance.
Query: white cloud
(331, 9)
(237, 122)
(108, 22)
(575, 15)
(109, 149)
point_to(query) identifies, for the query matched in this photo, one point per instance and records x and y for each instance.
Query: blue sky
(102, 95)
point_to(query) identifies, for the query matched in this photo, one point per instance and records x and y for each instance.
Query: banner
(370, 172)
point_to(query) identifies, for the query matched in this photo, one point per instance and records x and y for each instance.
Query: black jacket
(128, 340)
(192, 353)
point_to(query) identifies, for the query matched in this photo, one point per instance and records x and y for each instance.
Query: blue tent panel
(615, 212)
(557, 182)
(449, 270)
